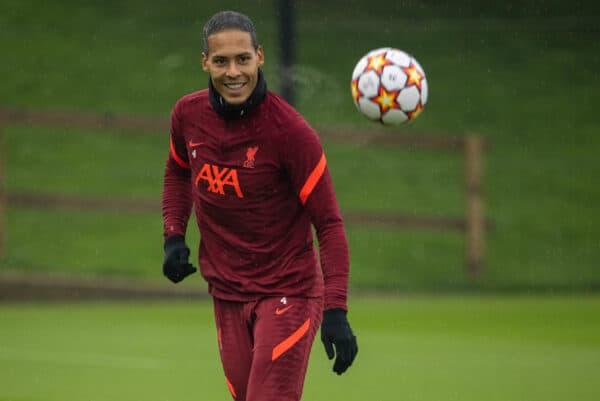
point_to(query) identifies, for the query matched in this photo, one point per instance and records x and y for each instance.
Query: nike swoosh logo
(282, 310)
(194, 144)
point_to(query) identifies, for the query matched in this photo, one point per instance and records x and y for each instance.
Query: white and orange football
(389, 86)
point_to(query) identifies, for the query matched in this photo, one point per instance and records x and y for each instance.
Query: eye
(244, 59)
(219, 60)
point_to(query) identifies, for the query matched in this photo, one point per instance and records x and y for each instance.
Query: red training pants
(265, 345)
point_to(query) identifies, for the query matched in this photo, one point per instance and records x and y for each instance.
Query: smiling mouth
(235, 86)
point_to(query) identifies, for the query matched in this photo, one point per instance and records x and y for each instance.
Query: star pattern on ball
(413, 114)
(413, 75)
(386, 100)
(355, 91)
(377, 62)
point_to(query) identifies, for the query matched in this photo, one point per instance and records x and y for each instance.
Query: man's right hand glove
(335, 329)
(176, 266)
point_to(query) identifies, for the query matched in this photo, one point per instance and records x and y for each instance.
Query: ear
(204, 62)
(261, 56)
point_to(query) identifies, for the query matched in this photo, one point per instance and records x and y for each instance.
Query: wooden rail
(473, 224)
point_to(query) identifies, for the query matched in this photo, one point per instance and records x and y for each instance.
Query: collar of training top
(234, 111)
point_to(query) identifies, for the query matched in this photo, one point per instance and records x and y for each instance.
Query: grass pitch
(416, 349)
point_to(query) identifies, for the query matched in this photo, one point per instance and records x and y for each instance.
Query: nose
(233, 70)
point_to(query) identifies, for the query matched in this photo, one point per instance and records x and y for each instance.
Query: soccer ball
(389, 86)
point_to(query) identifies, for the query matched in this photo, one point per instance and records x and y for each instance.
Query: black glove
(335, 329)
(176, 266)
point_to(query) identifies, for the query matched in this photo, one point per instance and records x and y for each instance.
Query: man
(257, 176)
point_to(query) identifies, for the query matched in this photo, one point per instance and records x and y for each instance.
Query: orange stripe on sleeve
(176, 157)
(231, 389)
(312, 180)
(289, 342)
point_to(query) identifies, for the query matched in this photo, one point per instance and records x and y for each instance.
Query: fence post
(475, 222)
(2, 195)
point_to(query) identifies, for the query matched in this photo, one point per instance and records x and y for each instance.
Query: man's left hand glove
(335, 330)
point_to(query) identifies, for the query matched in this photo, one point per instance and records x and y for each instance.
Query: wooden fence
(471, 147)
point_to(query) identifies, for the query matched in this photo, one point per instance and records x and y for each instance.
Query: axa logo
(250, 157)
(217, 179)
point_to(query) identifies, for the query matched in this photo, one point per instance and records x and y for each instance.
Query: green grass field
(524, 75)
(443, 348)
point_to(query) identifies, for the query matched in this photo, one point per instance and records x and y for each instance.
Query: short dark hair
(228, 20)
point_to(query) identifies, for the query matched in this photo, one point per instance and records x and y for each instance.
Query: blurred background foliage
(523, 74)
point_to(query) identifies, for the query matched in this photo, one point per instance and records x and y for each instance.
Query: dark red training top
(257, 184)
